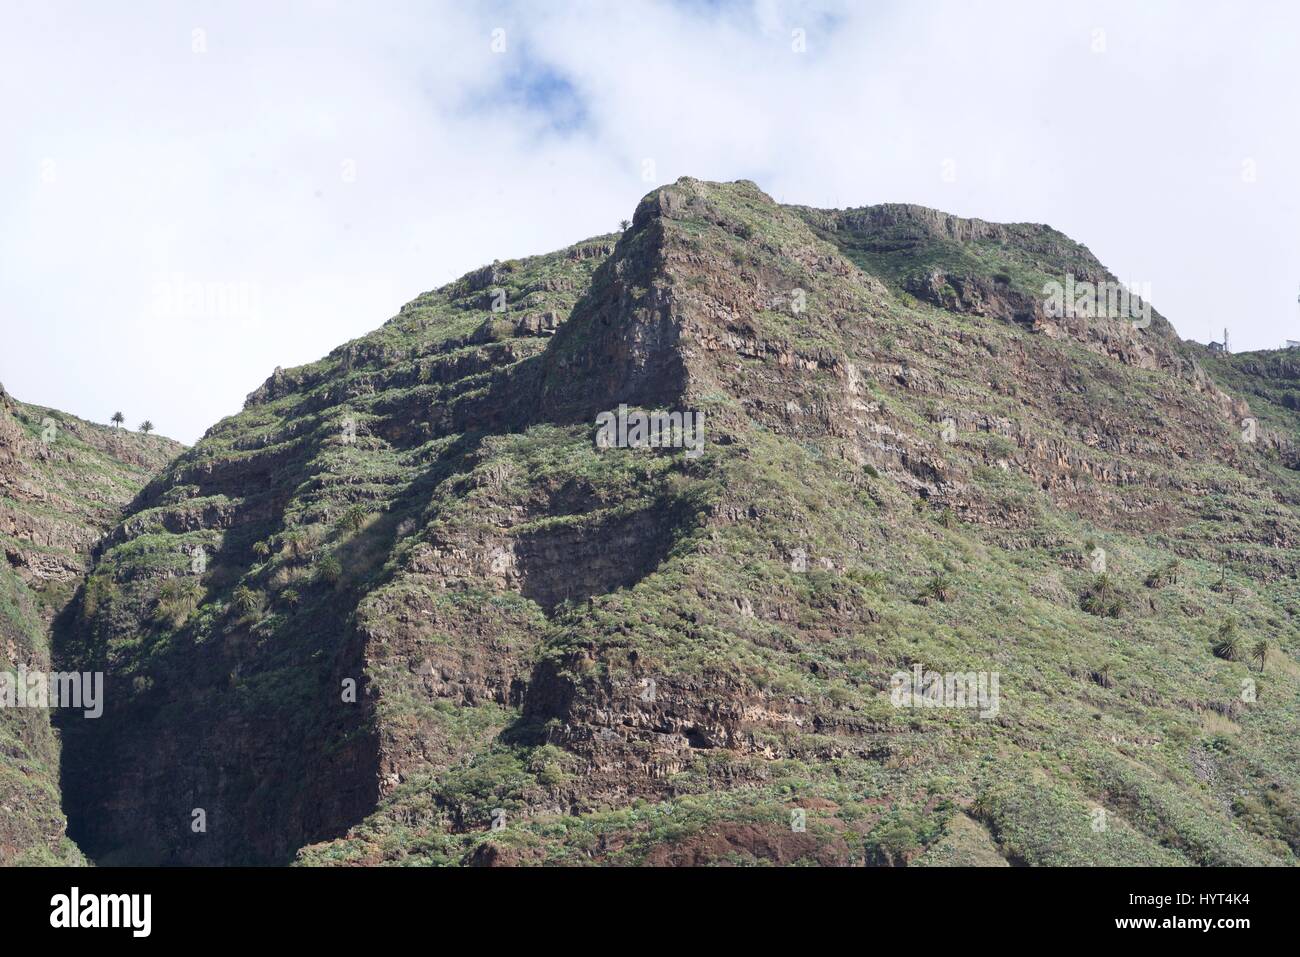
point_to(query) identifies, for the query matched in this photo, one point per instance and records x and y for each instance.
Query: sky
(194, 193)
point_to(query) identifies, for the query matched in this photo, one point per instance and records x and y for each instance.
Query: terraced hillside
(431, 622)
(63, 483)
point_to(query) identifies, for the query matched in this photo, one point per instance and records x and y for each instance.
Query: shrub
(1166, 574)
(1227, 644)
(354, 518)
(295, 542)
(329, 570)
(939, 588)
(998, 447)
(177, 600)
(99, 591)
(1103, 598)
(893, 841)
(867, 578)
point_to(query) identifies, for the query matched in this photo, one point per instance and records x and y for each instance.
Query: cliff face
(430, 621)
(63, 483)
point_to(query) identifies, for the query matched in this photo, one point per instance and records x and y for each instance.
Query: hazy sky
(193, 193)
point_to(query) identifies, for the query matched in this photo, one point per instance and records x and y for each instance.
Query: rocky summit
(753, 533)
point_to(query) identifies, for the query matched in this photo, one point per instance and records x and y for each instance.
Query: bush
(295, 542)
(177, 600)
(354, 518)
(329, 570)
(1103, 598)
(99, 591)
(867, 578)
(1166, 574)
(1227, 644)
(893, 841)
(939, 588)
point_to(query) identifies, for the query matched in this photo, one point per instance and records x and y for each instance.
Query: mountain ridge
(565, 654)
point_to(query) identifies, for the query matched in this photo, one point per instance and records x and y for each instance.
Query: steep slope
(571, 653)
(1270, 381)
(63, 483)
(230, 735)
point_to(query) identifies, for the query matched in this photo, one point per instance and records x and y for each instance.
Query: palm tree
(330, 570)
(295, 540)
(1105, 675)
(118, 419)
(1229, 645)
(177, 600)
(354, 517)
(1259, 652)
(939, 587)
(245, 600)
(623, 224)
(146, 426)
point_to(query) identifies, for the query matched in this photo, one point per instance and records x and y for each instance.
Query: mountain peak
(434, 595)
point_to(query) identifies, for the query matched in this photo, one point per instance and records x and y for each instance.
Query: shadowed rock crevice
(574, 563)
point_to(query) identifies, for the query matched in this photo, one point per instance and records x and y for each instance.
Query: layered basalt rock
(564, 653)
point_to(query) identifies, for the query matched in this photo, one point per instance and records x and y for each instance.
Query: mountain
(404, 608)
(63, 484)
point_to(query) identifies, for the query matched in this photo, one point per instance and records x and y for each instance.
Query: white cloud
(335, 160)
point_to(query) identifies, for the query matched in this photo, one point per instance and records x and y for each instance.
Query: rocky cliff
(63, 483)
(404, 609)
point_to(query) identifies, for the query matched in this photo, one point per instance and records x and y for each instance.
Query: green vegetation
(177, 600)
(581, 656)
(1227, 643)
(1103, 598)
